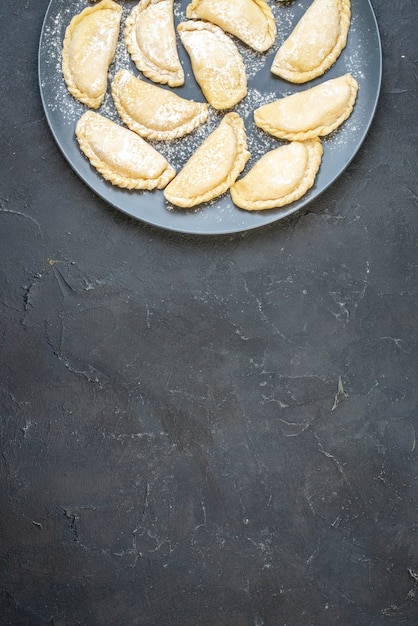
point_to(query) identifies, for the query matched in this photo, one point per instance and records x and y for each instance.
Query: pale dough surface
(88, 49)
(120, 155)
(315, 112)
(150, 38)
(280, 177)
(216, 62)
(154, 112)
(213, 167)
(315, 43)
(251, 21)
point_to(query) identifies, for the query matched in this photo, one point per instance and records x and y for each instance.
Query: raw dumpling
(311, 113)
(155, 112)
(150, 38)
(280, 177)
(216, 62)
(214, 166)
(121, 156)
(88, 49)
(315, 43)
(251, 21)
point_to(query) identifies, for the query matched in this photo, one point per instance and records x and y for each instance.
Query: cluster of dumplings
(122, 154)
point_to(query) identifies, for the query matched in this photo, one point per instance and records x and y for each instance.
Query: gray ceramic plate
(362, 57)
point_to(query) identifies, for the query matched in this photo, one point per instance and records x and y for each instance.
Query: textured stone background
(208, 431)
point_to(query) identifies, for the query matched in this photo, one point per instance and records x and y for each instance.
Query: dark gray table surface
(208, 430)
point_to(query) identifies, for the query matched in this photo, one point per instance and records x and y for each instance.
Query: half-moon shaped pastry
(150, 38)
(280, 177)
(88, 49)
(214, 166)
(315, 43)
(315, 112)
(121, 156)
(251, 21)
(155, 112)
(216, 62)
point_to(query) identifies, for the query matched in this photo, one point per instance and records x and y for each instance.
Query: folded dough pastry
(88, 49)
(121, 156)
(315, 43)
(315, 112)
(214, 166)
(216, 62)
(280, 177)
(155, 112)
(251, 21)
(150, 38)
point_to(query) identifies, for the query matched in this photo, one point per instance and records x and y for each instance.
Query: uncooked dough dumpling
(315, 112)
(251, 21)
(88, 49)
(315, 43)
(216, 62)
(280, 177)
(120, 155)
(150, 38)
(154, 112)
(213, 167)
